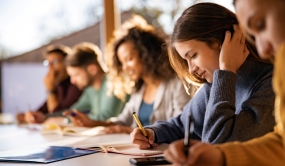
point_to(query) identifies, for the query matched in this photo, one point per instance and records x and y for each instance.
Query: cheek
(277, 28)
(277, 38)
(74, 79)
(83, 78)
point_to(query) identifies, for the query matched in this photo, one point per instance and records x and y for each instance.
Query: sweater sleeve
(227, 121)
(43, 108)
(71, 96)
(262, 151)
(173, 129)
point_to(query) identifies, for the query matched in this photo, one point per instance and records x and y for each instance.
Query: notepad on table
(43, 154)
(54, 128)
(127, 149)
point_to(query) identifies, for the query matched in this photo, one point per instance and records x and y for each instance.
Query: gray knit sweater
(235, 107)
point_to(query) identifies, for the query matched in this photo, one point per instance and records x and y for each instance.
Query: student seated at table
(139, 66)
(88, 72)
(266, 25)
(61, 93)
(236, 100)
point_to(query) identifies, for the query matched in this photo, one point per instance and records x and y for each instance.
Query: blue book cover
(44, 154)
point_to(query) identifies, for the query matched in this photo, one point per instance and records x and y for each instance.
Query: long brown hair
(206, 22)
(148, 41)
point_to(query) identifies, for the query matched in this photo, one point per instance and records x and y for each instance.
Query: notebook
(54, 128)
(127, 149)
(43, 154)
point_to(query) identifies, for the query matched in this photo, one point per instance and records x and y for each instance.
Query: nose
(193, 69)
(124, 67)
(264, 48)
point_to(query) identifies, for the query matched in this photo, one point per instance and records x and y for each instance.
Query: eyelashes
(193, 56)
(260, 25)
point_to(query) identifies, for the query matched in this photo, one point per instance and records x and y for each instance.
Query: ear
(92, 69)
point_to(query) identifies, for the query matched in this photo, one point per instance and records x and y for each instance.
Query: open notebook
(127, 149)
(54, 128)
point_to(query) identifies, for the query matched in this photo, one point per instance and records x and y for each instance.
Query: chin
(267, 57)
(81, 87)
(134, 78)
(209, 81)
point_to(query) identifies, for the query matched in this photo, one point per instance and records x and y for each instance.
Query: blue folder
(43, 154)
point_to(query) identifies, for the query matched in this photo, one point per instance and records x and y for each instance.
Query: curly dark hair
(149, 43)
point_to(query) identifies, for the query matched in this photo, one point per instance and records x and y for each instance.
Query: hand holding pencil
(178, 151)
(142, 137)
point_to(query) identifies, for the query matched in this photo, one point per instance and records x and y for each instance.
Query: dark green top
(102, 106)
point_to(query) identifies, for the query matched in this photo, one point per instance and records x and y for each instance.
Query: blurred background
(27, 27)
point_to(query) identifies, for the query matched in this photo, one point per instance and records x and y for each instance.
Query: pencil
(84, 112)
(188, 130)
(140, 126)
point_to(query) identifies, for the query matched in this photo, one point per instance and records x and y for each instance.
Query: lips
(202, 75)
(130, 73)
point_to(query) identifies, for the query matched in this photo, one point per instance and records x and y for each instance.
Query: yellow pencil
(140, 126)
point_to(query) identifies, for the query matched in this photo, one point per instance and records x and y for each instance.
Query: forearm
(52, 102)
(167, 132)
(220, 110)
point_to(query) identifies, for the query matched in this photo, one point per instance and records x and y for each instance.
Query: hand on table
(34, 117)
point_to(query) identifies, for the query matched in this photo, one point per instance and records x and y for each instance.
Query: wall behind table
(22, 86)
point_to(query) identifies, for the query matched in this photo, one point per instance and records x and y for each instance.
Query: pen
(188, 131)
(84, 112)
(140, 126)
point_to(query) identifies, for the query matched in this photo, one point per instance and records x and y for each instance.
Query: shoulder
(203, 91)
(253, 67)
(89, 90)
(173, 83)
(254, 73)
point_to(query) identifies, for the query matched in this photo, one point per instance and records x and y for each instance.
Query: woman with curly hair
(139, 66)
